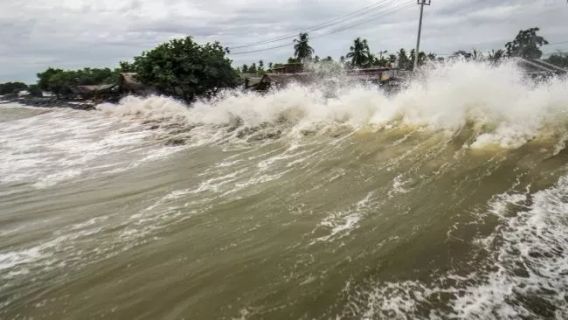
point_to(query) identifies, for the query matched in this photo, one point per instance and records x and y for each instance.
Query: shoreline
(50, 102)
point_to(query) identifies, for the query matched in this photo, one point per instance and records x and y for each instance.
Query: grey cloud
(76, 33)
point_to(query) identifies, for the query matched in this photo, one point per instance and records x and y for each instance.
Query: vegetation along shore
(186, 70)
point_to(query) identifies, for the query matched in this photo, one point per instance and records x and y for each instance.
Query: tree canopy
(302, 49)
(560, 59)
(12, 87)
(526, 44)
(61, 81)
(359, 53)
(185, 69)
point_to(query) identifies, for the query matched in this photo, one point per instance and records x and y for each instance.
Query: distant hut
(129, 84)
(252, 83)
(289, 68)
(101, 92)
(279, 80)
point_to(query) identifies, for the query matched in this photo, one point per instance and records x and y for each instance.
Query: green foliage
(35, 90)
(252, 68)
(404, 61)
(185, 69)
(560, 59)
(12, 87)
(260, 69)
(526, 45)
(126, 66)
(302, 50)
(293, 60)
(360, 54)
(496, 55)
(61, 82)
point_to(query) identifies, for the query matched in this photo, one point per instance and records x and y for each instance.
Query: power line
(337, 20)
(336, 30)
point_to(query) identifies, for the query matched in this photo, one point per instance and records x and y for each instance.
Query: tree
(474, 55)
(293, 60)
(359, 53)
(62, 82)
(560, 59)
(462, 54)
(12, 87)
(245, 68)
(126, 66)
(496, 55)
(260, 69)
(403, 60)
(252, 68)
(35, 90)
(421, 58)
(302, 50)
(526, 45)
(381, 60)
(185, 69)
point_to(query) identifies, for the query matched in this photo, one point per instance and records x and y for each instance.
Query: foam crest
(505, 107)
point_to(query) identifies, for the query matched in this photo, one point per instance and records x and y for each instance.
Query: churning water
(447, 200)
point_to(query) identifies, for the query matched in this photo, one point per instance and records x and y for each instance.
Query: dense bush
(185, 69)
(12, 87)
(61, 82)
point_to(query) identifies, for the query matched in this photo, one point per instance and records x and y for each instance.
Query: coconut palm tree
(302, 49)
(359, 53)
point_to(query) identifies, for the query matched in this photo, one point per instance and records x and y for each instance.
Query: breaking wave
(445, 200)
(502, 106)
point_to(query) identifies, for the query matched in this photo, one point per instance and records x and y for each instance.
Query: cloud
(77, 33)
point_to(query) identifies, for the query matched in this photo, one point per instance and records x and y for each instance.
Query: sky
(85, 33)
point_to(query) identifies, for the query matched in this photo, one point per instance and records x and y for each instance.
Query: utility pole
(422, 3)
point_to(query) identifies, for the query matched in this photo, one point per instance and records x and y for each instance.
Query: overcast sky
(95, 33)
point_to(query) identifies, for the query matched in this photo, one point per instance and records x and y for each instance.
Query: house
(128, 83)
(96, 92)
(288, 68)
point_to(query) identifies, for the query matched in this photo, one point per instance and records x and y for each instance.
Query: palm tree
(403, 60)
(302, 49)
(359, 53)
(496, 56)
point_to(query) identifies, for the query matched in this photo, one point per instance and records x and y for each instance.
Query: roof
(287, 78)
(90, 89)
(129, 81)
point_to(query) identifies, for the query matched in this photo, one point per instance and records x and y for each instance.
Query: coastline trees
(302, 50)
(403, 60)
(359, 53)
(12, 87)
(185, 69)
(560, 59)
(61, 82)
(526, 44)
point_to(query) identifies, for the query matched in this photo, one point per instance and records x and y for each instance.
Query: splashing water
(446, 200)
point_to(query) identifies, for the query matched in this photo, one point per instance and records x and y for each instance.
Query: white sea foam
(527, 274)
(47, 148)
(506, 108)
(341, 223)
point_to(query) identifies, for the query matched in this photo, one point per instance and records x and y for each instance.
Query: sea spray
(506, 108)
(445, 200)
